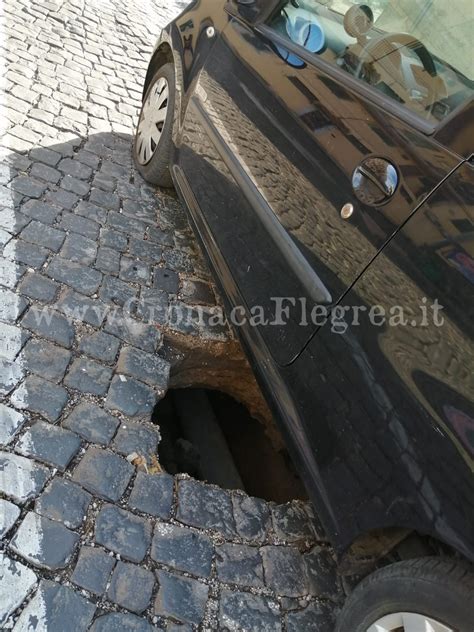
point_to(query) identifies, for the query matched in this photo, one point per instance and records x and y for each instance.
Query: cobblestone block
(126, 224)
(197, 292)
(49, 324)
(44, 542)
(131, 587)
(239, 564)
(146, 367)
(79, 187)
(12, 306)
(314, 618)
(146, 250)
(136, 437)
(123, 532)
(130, 397)
(91, 211)
(64, 502)
(243, 611)
(116, 291)
(92, 423)
(152, 494)
(79, 249)
(42, 235)
(12, 339)
(141, 335)
(22, 479)
(159, 236)
(10, 423)
(23, 252)
(17, 582)
(45, 155)
(40, 211)
(182, 549)
(134, 271)
(45, 359)
(10, 374)
(108, 260)
(80, 225)
(74, 168)
(166, 280)
(50, 444)
(36, 286)
(181, 597)
(124, 622)
(291, 522)
(205, 507)
(88, 376)
(103, 473)
(93, 570)
(63, 199)
(322, 573)
(105, 199)
(101, 346)
(43, 172)
(113, 239)
(285, 571)
(28, 186)
(178, 261)
(153, 306)
(54, 607)
(10, 272)
(9, 514)
(252, 517)
(40, 396)
(81, 278)
(82, 308)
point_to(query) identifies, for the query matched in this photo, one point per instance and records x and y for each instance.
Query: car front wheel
(153, 145)
(422, 595)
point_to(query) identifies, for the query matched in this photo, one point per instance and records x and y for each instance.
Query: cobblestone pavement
(93, 539)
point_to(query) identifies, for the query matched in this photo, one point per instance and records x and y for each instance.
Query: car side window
(417, 52)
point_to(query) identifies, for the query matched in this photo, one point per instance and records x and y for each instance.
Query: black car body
(268, 140)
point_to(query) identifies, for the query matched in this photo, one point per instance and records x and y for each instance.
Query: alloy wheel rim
(408, 622)
(152, 121)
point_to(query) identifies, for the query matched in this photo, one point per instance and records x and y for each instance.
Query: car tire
(439, 589)
(155, 166)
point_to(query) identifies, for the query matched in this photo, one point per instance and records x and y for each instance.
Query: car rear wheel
(153, 140)
(423, 595)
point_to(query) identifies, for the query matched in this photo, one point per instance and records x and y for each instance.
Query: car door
(305, 158)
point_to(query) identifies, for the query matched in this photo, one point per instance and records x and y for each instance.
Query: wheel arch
(162, 55)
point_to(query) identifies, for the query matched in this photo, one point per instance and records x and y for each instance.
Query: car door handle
(375, 181)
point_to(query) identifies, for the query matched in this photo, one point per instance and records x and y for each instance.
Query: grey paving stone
(42, 235)
(40, 396)
(181, 597)
(45, 213)
(92, 212)
(49, 324)
(252, 517)
(10, 374)
(82, 308)
(146, 250)
(9, 514)
(166, 280)
(130, 397)
(113, 239)
(23, 252)
(50, 444)
(153, 494)
(178, 261)
(12, 339)
(80, 225)
(159, 236)
(108, 260)
(74, 168)
(252, 613)
(48, 156)
(116, 292)
(88, 376)
(10, 423)
(83, 279)
(12, 306)
(10, 272)
(134, 271)
(45, 359)
(146, 367)
(104, 198)
(12, 221)
(92, 422)
(291, 522)
(63, 199)
(204, 506)
(37, 286)
(79, 187)
(93, 570)
(103, 473)
(64, 502)
(123, 532)
(182, 549)
(141, 335)
(285, 571)
(131, 587)
(126, 224)
(28, 186)
(239, 564)
(314, 618)
(322, 573)
(79, 249)
(22, 479)
(152, 307)
(197, 292)
(136, 437)
(116, 621)
(44, 542)
(53, 608)
(101, 346)
(17, 582)
(43, 172)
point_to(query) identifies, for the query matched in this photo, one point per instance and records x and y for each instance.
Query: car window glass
(416, 52)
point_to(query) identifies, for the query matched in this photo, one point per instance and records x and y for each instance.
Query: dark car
(324, 151)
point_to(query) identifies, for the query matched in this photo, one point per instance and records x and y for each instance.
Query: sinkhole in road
(212, 437)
